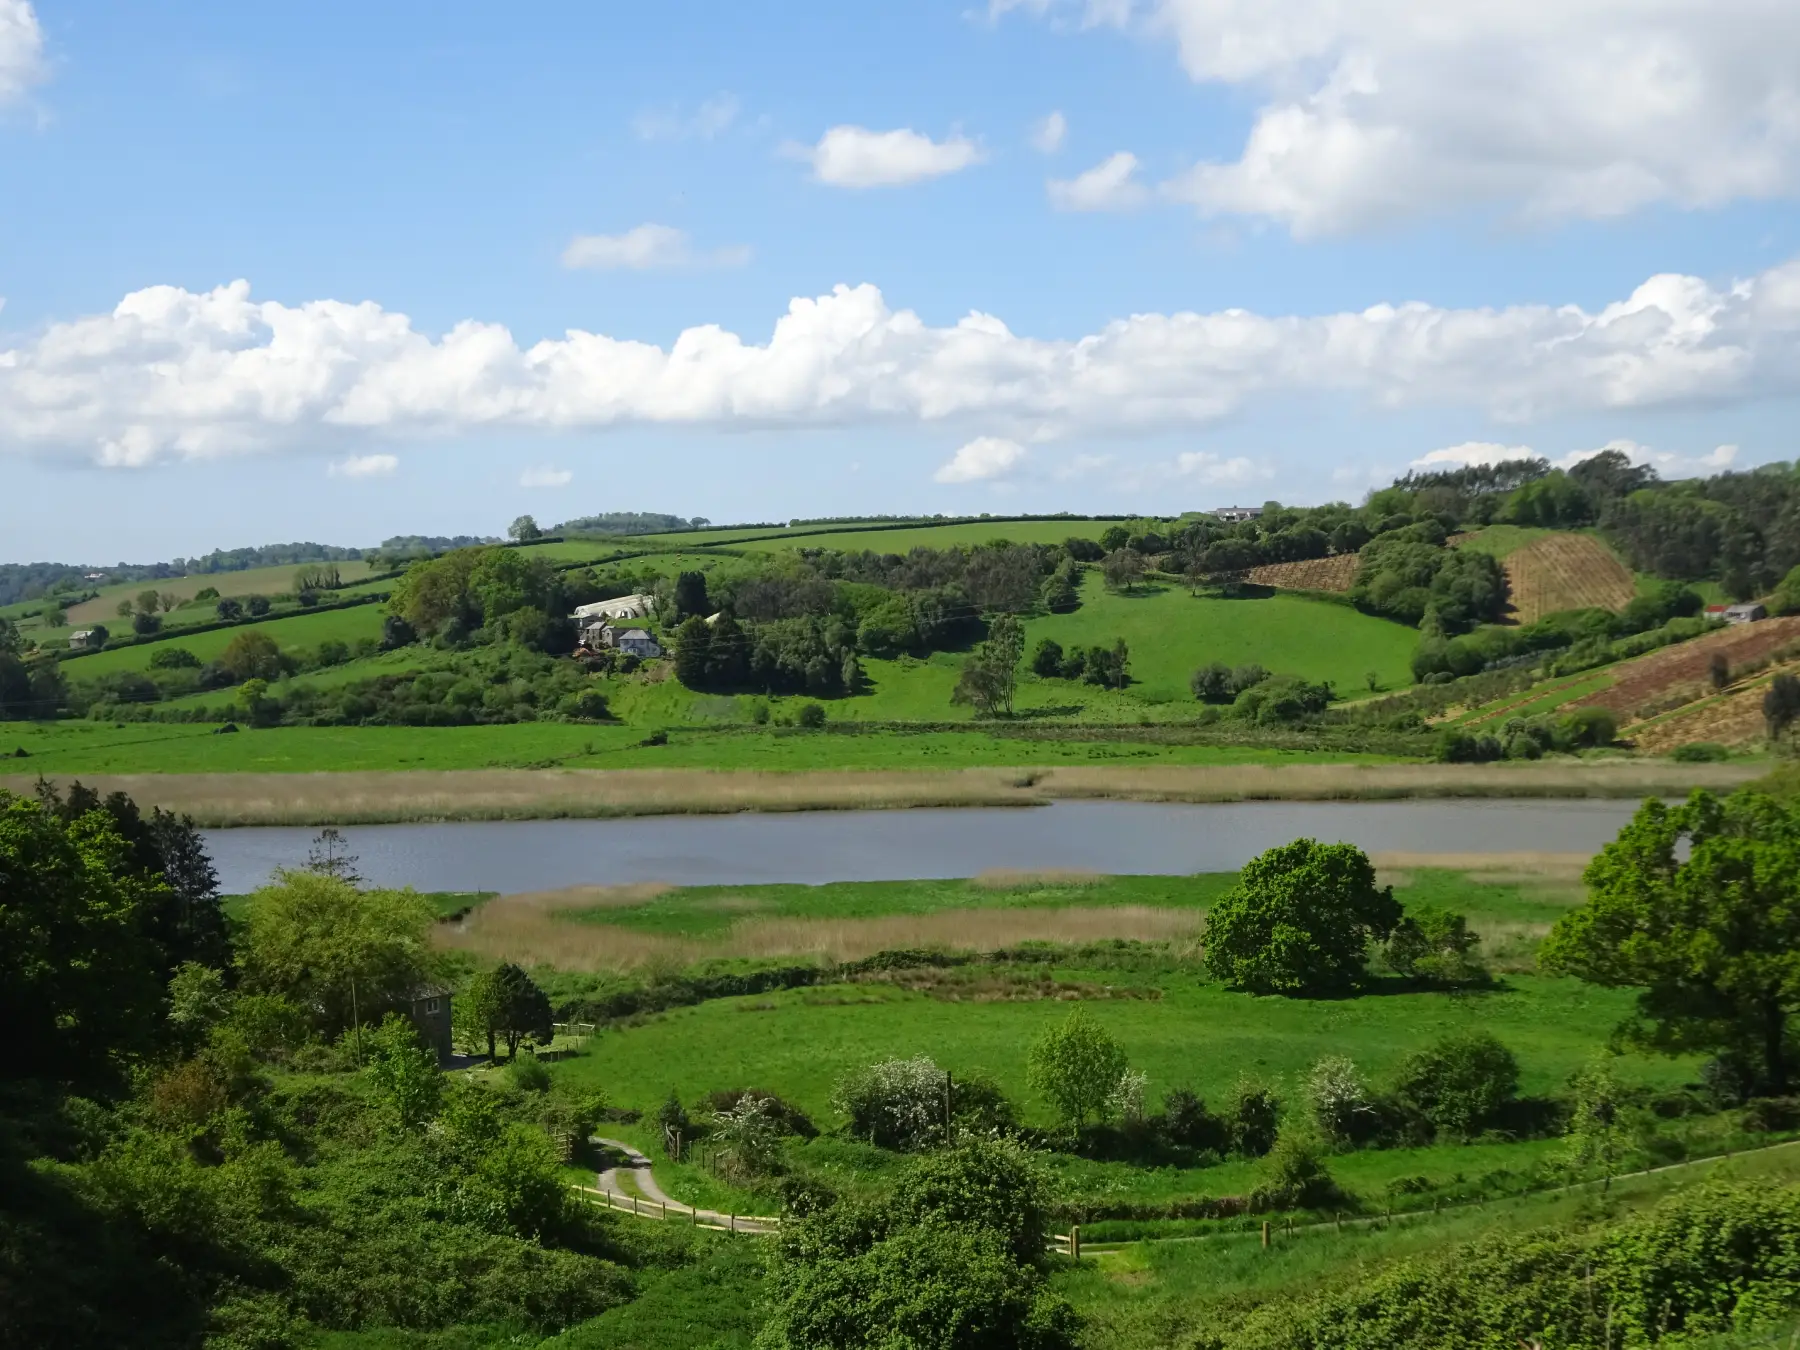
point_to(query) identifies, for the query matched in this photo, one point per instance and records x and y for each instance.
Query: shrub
(1700, 752)
(991, 1184)
(1338, 1099)
(1293, 1176)
(1435, 945)
(527, 1074)
(898, 1103)
(173, 658)
(1459, 1084)
(1299, 920)
(1187, 1122)
(811, 715)
(1253, 1115)
(1047, 658)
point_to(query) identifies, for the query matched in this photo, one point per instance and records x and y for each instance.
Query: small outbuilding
(428, 1009)
(1745, 613)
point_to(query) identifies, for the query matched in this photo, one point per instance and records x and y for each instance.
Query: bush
(173, 658)
(811, 715)
(1299, 921)
(527, 1074)
(1700, 752)
(1047, 658)
(1253, 1115)
(1458, 1085)
(1293, 1176)
(1186, 1122)
(1435, 945)
(898, 1103)
(1339, 1101)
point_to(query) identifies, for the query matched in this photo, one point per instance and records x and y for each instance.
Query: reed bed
(527, 929)
(217, 800)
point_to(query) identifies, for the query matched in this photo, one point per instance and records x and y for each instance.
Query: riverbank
(368, 798)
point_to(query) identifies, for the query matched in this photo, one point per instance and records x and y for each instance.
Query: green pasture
(1171, 633)
(292, 632)
(1499, 541)
(153, 747)
(252, 581)
(1194, 1032)
(965, 534)
(1149, 1295)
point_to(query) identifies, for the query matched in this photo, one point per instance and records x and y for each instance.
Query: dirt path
(648, 1200)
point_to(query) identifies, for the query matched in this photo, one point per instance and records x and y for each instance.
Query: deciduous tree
(1299, 921)
(1076, 1064)
(1697, 906)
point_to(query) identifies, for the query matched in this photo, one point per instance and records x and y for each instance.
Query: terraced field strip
(1734, 718)
(1315, 574)
(1640, 682)
(1566, 571)
(1537, 699)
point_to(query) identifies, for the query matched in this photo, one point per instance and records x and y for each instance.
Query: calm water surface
(821, 846)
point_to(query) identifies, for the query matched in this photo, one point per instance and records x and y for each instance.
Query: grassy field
(965, 535)
(1500, 540)
(1171, 633)
(252, 581)
(1175, 1023)
(1152, 1295)
(294, 631)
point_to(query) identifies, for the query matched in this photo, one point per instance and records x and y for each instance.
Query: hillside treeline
(1741, 529)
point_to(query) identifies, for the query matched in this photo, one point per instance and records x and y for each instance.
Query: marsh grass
(226, 799)
(530, 930)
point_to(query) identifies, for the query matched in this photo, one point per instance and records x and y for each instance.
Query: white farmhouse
(637, 642)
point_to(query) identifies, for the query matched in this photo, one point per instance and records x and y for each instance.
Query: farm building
(428, 1009)
(1749, 613)
(621, 607)
(1233, 514)
(81, 639)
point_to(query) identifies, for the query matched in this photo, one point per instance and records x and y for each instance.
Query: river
(819, 846)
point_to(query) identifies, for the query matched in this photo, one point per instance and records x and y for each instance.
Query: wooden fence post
(1265, 1234)
(1075, 1241)
(734, 1222)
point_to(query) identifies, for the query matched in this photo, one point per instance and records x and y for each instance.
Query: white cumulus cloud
(546, 477)
(175, 373)
(1110, 185)
(21, 50)
(1047, 134)
(1665, 462)
(1382, 110)
(982, 460)
(365, 466)
(645, 248)
(1472, 453)
(855, 157)
(1210, 468)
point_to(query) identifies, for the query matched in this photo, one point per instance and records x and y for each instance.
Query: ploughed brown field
(1566, 571)
(1315, 574)
(1650, 684)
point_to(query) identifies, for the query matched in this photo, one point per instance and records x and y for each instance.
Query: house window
(431, 1005)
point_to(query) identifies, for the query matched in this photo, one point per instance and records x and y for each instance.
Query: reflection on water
(819, 846)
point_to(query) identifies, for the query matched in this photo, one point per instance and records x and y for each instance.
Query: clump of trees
(1106, 666)
(960, 1251)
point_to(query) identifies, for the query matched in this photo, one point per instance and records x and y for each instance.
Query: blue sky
(1171, 219)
